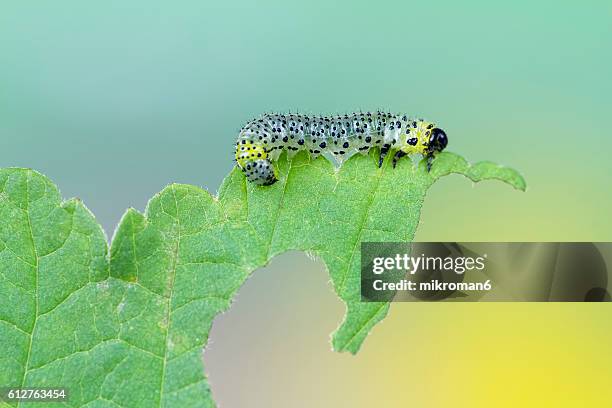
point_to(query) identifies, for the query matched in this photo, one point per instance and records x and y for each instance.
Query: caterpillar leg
(430, 158)
(383, 152)
(437, 143)
(398, 156)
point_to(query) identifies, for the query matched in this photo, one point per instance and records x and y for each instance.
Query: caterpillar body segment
(261, 140)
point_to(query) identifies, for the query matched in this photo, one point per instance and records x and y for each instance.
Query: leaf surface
(127, 326)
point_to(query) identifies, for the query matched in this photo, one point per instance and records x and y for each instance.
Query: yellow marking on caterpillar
(247, 151)
(421, 133)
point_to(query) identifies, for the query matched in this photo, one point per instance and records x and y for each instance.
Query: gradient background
(115, 99)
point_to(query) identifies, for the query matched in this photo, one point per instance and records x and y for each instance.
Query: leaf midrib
(372, 196)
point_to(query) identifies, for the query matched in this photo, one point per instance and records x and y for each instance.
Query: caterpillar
(261, 140)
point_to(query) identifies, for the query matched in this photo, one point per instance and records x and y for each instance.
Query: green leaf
(128, 328)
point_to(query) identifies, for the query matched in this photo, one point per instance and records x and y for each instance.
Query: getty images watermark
(485, 271)
(424, 271)
(423, 263)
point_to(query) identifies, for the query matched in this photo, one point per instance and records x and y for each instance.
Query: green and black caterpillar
(262, 140)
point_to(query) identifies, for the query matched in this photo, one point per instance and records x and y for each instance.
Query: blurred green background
(115, 99)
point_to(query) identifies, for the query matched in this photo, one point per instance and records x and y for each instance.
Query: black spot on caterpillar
(261, 140)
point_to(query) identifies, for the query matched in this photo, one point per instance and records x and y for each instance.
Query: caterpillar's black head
(260, 172)
(437, 140)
